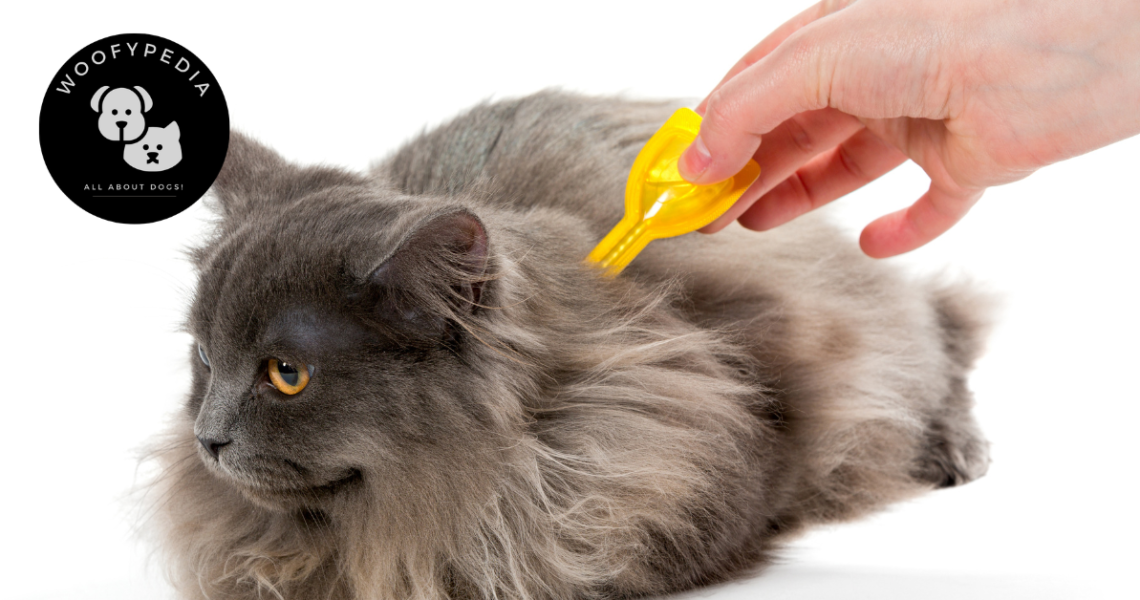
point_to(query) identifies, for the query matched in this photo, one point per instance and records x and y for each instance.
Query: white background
(93, 361)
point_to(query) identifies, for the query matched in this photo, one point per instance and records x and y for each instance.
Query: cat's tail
(965, 315)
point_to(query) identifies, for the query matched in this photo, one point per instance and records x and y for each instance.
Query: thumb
(777, 37)
(790, 79)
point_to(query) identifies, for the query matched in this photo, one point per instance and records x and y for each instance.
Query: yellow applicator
(659, 203)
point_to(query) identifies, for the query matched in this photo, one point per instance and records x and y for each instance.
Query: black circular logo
(134, 128)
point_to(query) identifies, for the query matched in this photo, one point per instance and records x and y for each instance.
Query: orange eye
(287, 378)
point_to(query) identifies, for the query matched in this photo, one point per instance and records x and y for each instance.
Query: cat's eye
(158, 147)
(289, 378)
(202, 355)
(146, 147)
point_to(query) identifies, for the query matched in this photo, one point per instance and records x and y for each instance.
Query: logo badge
(134, 128)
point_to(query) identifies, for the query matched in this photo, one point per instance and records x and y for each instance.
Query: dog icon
(121, 112)
(158, 150)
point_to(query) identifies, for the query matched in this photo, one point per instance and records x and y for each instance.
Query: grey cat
(407, 384)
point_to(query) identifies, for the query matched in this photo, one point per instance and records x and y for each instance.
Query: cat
(407, 383)
(158, 150)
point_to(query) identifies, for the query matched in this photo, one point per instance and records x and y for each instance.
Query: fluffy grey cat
(408, 385)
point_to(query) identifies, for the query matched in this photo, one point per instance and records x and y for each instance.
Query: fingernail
(695, 161)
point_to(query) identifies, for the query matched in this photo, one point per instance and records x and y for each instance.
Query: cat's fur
(492, 418)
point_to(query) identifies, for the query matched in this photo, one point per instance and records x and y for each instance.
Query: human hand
(976, 92)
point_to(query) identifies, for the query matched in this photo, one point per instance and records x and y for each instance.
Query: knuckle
(801, 194)
(800, 136)
(812, 72)
(851, 164)
(831, 6)
(719, 112)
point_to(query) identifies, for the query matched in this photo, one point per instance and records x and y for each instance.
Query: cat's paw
(954, 454)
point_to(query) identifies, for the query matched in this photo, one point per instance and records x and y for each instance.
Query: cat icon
(158, 150)
(121, 112)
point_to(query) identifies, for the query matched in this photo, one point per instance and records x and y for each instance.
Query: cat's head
(336, 326)
(158, 150)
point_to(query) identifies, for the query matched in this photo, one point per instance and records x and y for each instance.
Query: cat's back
(547, 150)
(572, 153)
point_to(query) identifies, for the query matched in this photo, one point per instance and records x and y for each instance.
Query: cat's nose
(213, 446)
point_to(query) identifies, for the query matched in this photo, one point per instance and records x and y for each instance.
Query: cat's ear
(437, 273)
(254, 178)
(172, 129)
